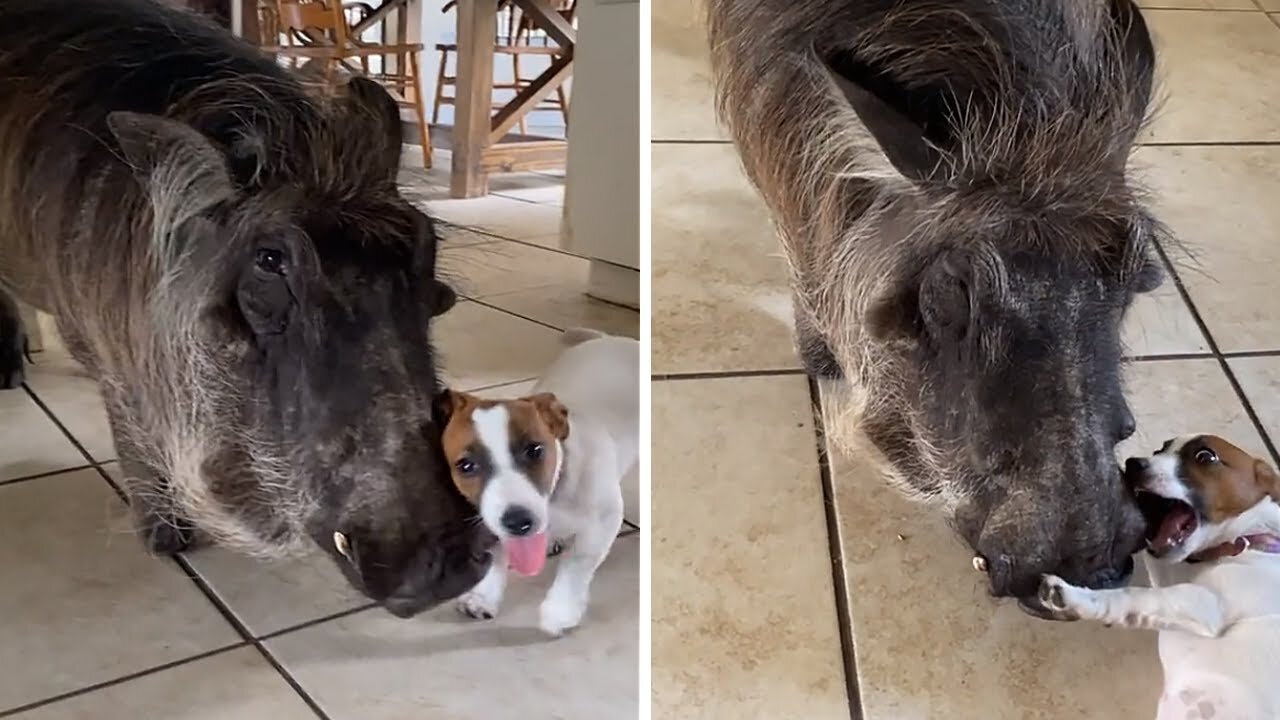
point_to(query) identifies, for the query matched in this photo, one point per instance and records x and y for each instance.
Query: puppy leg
(1184, 607)
(13, 343)
(482, 601)
(566, 601)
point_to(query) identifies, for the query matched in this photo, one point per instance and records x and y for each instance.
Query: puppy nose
(1135, 465)
(518, 521)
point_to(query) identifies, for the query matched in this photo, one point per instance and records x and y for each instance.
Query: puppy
(550, 465)
(1214, 561)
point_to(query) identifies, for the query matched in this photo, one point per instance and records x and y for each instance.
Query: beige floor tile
(505, 217)
(371, 666)
(1260, 380)
(479, 346)
(234, 685)
(720, 298)
(682, 95)
(568, 306)
(744, 622)
(503, 267)
(1176, 397)
(529, 187)
(271, 595)
(1218, 76)
(931, 643)
(1198, 4)
(30, 443)
(1221, 203)
(1159, 323)
(73, 398)
(455, 237)
(82, 603)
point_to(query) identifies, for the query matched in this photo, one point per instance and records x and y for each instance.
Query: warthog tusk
(340, 542)
(979, 563)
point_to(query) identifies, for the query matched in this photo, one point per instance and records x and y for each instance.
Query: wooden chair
(516, 39)
(318, 31)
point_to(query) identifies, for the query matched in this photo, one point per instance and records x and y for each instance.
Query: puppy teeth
(340, 542)
(979, 563)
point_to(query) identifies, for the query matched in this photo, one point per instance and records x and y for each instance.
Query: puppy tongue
(1174, 528)
(527, 555)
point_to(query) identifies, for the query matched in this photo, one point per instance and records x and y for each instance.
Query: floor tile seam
(527, 243)
(689, 141)
(515, 314)
(1209, 144)
(835, 551)
(185, 566)
(46, 474)
(1223, 363)
(123, 679)
(724, 374)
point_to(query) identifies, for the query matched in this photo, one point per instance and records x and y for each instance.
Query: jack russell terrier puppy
(1214, 547)
(550, 465)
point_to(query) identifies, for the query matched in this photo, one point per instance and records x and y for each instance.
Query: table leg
(477, 27)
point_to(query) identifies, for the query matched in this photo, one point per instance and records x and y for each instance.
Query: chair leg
(435, 107)
(564, 105)
(516, 82)
(424, 132)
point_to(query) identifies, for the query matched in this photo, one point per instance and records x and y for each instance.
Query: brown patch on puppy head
(535, 424)
(553, 413)
(454, 410)
(1226, 480)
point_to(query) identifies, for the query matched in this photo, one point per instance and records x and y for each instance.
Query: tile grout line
(122, 679)
(42, 475)
(1218, 355)
(513, 313)
(835, 551)
(718, 374)
(1210, 144)
(187, 569)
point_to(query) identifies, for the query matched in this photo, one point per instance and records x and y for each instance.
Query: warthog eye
(1205, 456)
(270, 260)
(465, 466)
(533, 451)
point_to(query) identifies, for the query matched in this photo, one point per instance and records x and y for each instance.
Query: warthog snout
(410, 575)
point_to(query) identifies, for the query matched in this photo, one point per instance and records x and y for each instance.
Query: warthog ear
(440, 298)
(902, 139)
(180, 168)
(939, 300)
(382, 115)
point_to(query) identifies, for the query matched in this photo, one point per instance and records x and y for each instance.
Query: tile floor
(770, 568)
(92, 628)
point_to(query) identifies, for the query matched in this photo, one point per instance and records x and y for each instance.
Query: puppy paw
(476, 605)
(1062, 598)
(557, 616)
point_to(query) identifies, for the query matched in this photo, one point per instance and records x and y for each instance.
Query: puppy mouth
(1170, 522)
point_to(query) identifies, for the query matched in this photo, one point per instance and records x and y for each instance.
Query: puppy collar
(1261, 542)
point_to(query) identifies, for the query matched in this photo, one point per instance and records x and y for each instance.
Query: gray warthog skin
(948, 179)
(230, 258)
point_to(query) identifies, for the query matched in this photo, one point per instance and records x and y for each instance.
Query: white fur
(1219, 621)
(598, 379)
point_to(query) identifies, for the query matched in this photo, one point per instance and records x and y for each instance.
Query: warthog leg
(162, 530)
(13, 343)
(814, 351)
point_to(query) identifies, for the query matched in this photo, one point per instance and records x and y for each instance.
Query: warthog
(230, 258)
(948, 178)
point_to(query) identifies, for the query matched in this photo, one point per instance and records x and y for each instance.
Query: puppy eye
(270, 260)
(1205, 456)
(533, 451)
(465, 466)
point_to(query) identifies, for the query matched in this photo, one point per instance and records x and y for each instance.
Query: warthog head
(949, 180)
(1021, 248)
(299, 285)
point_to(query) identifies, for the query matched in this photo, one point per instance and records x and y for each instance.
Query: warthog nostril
(518, 521)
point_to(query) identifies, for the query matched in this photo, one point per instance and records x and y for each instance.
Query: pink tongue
(527, 555)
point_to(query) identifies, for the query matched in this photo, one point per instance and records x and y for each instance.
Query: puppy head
(1198, 491)
(505, 456)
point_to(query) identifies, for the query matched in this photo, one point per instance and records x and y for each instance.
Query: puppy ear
(553, 413)
(445, 404)
(1266, 479)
